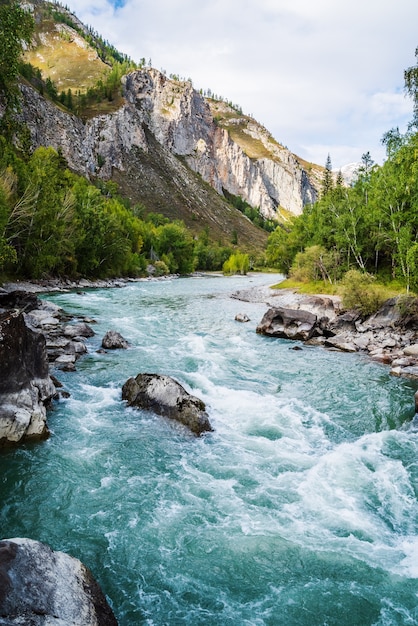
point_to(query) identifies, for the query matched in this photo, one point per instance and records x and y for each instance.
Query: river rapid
(300, 509)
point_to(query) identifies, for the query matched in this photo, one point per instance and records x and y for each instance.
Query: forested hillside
(371, 227)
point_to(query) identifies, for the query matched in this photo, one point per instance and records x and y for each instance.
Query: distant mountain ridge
(349, 172)
(162, 141)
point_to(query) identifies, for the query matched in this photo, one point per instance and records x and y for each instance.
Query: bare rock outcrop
(173, 114)
(41, 587)
(166, 397)
(183, 122)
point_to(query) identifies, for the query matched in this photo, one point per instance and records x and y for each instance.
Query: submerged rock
(167, 397)
(242, 317)
(39, 586)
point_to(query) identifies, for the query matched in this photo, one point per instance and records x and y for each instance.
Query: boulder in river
(165, 396)
(114, 341)
(39, 586)
(242, 317)
(288, 324)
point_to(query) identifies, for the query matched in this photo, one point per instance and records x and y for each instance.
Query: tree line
(54, 222)
(371, 226)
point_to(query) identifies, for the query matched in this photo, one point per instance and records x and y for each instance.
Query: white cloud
(323, 77)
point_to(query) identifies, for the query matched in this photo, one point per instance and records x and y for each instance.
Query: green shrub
(359, 292)
(161, 268)
(314, 264)
(407, 305)
(237, 263)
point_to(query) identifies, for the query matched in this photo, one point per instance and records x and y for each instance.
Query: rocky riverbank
(389, 336)
(53, 285)
(36, 336)
(33, 335)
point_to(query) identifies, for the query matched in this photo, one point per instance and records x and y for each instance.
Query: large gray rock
(288, 324)
(114, 341)
(81, 329)
(341, 342)
(167, 397)
(411, 350)
(40, 587)
(25, 384)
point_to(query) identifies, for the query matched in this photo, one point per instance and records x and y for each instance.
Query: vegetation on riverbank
(55, 223)
(357, 290)
(371, 226)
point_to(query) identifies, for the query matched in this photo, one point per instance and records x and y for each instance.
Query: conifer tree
(327, 181)
(411, 87)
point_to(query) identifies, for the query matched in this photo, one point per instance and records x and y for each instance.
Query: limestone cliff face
(253, 166)
(183, 121)
(90, 148)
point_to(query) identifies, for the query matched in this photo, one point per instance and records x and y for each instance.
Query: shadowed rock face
(22, 353)
(39, 586)
(288, 324)
(167, 397)
(25, 384)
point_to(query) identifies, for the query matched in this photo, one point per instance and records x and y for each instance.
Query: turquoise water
(299, 510)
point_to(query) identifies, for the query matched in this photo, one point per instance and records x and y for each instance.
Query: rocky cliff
(160, 120)
(167, 146)
(259, 170)
(184, 124)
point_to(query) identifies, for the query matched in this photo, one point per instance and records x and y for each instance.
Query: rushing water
(299, 510)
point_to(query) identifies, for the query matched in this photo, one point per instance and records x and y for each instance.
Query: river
(300, 509)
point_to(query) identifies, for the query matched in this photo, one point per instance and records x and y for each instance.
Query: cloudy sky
(323, 76)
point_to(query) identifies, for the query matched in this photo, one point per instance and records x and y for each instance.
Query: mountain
(349, 172)
(167, 146)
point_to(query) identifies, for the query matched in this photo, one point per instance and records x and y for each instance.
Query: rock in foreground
(25, 384)
(167, 397)
(39, 586)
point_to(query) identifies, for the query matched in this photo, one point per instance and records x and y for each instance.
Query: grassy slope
(68, 60)
(64, 57)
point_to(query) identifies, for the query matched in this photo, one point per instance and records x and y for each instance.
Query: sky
(323, 76)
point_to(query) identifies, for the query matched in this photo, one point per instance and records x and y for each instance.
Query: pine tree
(411, 87)
(327, 181)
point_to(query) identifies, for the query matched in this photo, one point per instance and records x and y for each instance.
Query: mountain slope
(167, 146)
